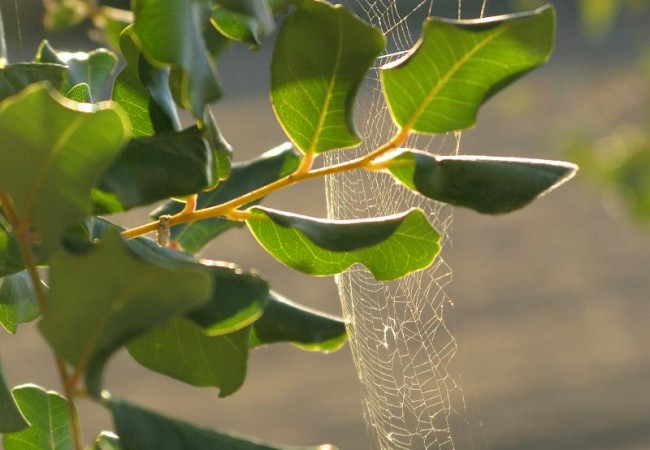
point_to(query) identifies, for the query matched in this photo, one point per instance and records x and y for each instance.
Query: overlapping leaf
(11, 419)
(221, 150)
(16, 77)
(390, 247)
(489, 185)
(140, 429)
(320, 58)
(180, 349)
(80, 93)
(107, 441)
(456, 66)
(170, 32)
(93, 69)
(17, 301)
(286, 321)
(65, 147)
(155, 168)
(245, 177)
(143, 91)
(113, 297)
(47, 414)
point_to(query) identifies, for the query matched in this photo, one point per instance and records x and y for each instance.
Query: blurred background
(551, 304)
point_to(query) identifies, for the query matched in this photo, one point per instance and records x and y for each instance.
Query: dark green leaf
(285, 321)
(93, 68)
(140, 429)
(456, 66)
(107, 441)
(17, 301)
(245, 177)
(390, 247)
(158, 167)
(46, 54)
(221, 150)
(143, 91)
(47, 414)
(236, 26)
(320, 58)
(485, 184)
(180, 349)
(113, 297)
(16, 77)
(238, 300)
(80, 93)
(65, 147)
(259, 11)
(11, 419)
(171, 32)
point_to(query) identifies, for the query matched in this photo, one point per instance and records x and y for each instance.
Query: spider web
(400, 334)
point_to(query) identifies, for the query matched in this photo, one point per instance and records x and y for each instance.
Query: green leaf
(140, 429)
(11, 419)
(47, 414)
(143, 91)
(158, 167)
(170, 32)
(93, 68)
(17, 301)
(320, 58)
(489, 185)
(259, 11)
(113, 297)
(390, 247)
(46, 54)
(238, 300)
(236, 26)
(285, 321)
(457, 65)
(112, 22)
(65, 147)
(107, 441)
(180, 349)
(245, 177)
(221, 150)
(80, 93)
(63, 14)
(16, 77)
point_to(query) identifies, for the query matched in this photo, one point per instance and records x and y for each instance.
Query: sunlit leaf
(457, 65)
(143, 91)
(107, 441)
(489, 185)
(221, 150)
(93, 68)
(320, 58)
(80, 93)
(236, 26)
(258, 10)
(140, 429)
(65, 147)
(113, 297)
(170, 32)
(47, 414)
(180, 349)
(11, 419)
(17, 301)
(16, 77)
(238, 300)
(112, 22)
(286, 321)
(390, 247)
(245, 177)
(158, 167)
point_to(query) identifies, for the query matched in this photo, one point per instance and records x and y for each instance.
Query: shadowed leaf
(17, 301)
(11, 419)
(16, 77)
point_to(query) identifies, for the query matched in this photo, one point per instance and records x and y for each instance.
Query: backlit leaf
(16, 77)
(65, 147)
(11, 419)
(489, 185)
(170, 32)
(221, 150)
(93, 69)
(286, 321)
(320, 58)
(140, 429)
(143, 91)
(180, 349)
(80, 93)
(113, 297)
(47, 414)
(457, 65)
(245, 177)
(390, 247)
(158, 167)
(17, 301)
(236, 26)
(107, 441)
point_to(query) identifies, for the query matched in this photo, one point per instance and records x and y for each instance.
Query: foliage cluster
(78, 144)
